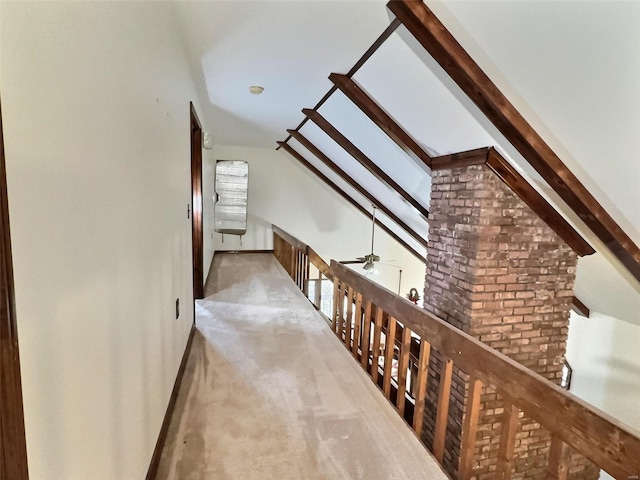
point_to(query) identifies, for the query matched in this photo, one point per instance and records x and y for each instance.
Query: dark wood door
(196, 202)
(13, 449)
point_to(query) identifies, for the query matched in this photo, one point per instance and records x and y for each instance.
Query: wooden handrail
(608, 443)
(315, 259)
(291, 240)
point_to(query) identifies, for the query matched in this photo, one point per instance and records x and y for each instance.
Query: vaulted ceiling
(570, 68)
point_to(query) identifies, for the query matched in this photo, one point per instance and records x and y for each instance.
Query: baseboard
(162, 437)
(244, 251)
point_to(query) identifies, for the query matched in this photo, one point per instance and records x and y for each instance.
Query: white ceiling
(572, 68)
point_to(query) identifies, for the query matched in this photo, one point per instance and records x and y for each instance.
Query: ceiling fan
(370, 259)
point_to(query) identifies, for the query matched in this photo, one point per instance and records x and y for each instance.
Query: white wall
(284, 193)
(95, 100)
(603, 352)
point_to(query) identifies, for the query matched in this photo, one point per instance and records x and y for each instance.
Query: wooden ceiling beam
(357, 187)
(580, 308)
(381, 119)
(291, 151)
(466, 73)
(395, 23)
(363, 160)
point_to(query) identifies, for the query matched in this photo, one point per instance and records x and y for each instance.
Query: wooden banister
(608, 443)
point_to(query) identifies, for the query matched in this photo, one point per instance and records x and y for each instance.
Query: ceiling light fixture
(256, 89)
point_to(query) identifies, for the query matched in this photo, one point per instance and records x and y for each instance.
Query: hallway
(270, 393)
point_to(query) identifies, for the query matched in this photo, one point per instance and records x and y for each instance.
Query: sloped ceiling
(571, 68)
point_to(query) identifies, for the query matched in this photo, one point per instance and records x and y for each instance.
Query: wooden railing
(375, 314)
(306, 268)
(365, 316)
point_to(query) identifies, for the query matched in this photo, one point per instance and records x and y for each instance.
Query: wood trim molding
(243, 251)
(523, 189)
(381, 119)
(466, 73)
(363, 160)
(348, 198)
(580, 308)
(477, 156)
(162, 436)
(13, 447)
(196, 204)
(356, 186)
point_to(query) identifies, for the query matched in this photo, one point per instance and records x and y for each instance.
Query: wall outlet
(177, 308)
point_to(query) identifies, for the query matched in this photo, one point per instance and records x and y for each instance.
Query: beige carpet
(270, 393)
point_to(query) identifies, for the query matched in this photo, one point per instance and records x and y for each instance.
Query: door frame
(197, 250)
(13, 447)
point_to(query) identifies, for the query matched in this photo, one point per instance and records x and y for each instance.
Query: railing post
(443, 409)
(507, 441)
(318, 291)
(403, 364)
(377, 331)
(337, 305)
(470, 429)
(347, 322)
(390, 342)
(365, 347)
(557, 468)
(357, 326)
(421, 386)
(306, 274)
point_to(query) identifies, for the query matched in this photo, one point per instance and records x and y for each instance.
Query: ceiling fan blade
(349, 262)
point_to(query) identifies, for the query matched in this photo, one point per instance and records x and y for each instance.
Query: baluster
(388, 356)
(318, 290)
(366, 336)
(292, 262)
(403, 364)
(557, 468)
(358, 322)
(507, 441)
(443, 409)
(470, 428)
(347, 333)
(377, 332)
(307, 274)
(337, 305)
(421, 386)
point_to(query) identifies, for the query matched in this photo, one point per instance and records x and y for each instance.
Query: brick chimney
(498, 272)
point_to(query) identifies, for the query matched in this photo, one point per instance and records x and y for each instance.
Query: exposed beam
(370, 51)
(291, 151)
(362, 159)
(463, 70)
(357, 187)
(580, 308)
(381, 119)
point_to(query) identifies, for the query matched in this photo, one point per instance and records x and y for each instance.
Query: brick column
(498, 272)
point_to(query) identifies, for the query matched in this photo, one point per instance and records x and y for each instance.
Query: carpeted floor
(270, 393)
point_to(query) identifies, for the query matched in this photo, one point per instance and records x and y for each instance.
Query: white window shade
(232, 188)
